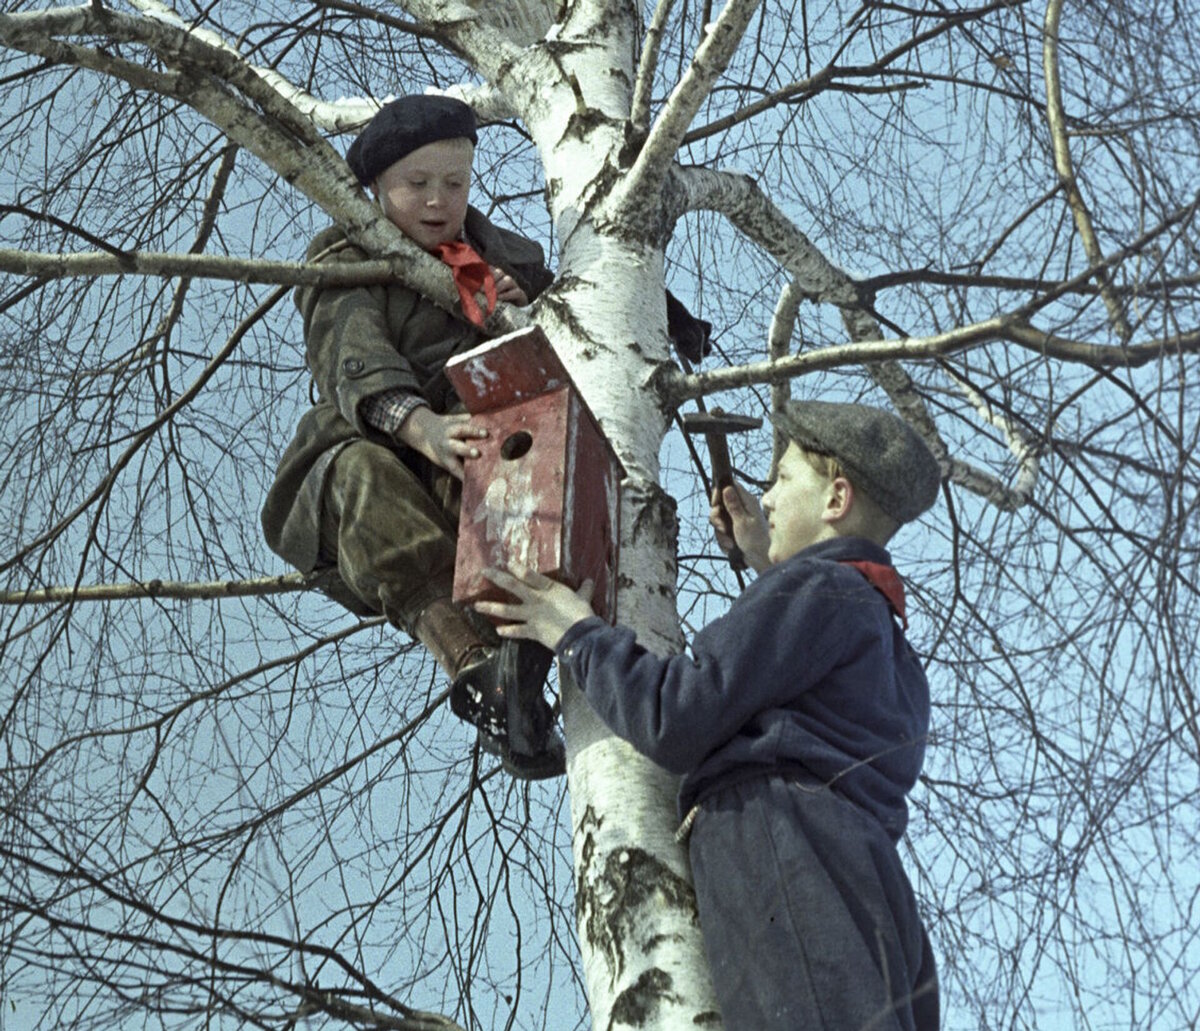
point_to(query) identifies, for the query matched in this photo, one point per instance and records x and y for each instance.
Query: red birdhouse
(544, 494)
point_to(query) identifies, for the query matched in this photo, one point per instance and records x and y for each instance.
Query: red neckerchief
(471, 274)
(887, 582)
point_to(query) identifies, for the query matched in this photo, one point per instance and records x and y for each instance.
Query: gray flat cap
(402, 126)
(881, 453)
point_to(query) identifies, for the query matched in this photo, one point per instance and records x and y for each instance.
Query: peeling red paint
(544, 494)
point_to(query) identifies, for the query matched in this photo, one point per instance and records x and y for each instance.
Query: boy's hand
(507, 288)
(544, 609)
(749, 525)
(444, 439)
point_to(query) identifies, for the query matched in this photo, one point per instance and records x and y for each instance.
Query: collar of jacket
(491, 240)
(846, 549)
(870, 559)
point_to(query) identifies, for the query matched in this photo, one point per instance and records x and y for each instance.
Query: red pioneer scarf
(471, 275)
(887, 582)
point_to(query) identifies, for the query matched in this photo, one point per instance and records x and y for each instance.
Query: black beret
(402, 126)
(881, 453)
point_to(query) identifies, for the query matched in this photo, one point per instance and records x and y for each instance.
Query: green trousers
(390, 527)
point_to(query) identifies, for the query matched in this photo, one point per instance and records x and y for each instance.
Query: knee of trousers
(393, 543)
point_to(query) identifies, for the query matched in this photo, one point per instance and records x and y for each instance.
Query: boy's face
(425, 192)
(798, 506)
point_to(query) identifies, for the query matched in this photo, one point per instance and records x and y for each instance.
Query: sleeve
(521, 257)
(533, 278)
(388, 409)
(348, 346)
(775, 643)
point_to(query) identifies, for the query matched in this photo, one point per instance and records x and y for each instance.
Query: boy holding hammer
(798, 724)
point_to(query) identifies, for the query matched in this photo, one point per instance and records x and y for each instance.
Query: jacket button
(352, 366)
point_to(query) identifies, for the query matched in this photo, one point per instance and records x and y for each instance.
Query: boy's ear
(839, 500)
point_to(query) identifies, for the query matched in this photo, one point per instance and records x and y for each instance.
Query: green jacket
(363, 340)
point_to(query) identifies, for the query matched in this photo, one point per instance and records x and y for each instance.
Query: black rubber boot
(550, 762)
(500, 692)
(524, 666)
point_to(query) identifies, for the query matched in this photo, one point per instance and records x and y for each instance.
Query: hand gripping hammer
(716, 425)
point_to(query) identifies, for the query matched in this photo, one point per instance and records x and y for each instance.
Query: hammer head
(716, 425)
(718, 422)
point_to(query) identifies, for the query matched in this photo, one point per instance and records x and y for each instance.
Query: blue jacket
(808, 671)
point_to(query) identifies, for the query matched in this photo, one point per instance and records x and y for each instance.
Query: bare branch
(212, 590)
(739, 198)
(102, 489)
(1056, 119)
(679, 387)
(1023, 450)
(653, 162)
(205, 266)
(834, 76)
(336, 116)
(783, 324)
(647, 64)
(362, 11)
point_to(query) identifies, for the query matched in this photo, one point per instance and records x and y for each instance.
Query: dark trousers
(809, 921)
(391, 529)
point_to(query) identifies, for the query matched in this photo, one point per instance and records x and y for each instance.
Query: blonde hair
(865, 518)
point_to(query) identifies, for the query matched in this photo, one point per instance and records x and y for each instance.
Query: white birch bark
(642, 952)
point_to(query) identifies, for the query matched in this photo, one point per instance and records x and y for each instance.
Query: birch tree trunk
(642, 952)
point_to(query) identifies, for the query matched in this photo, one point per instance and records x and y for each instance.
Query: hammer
(716, 425)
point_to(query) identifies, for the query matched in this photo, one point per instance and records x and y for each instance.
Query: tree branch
(827, 76)
(90, 264)
(1056, 119)
(183, 929)
(678, 387)
(362, 12)
(141, 436)
(738, 197)
(175, 589)
(779, 339)
(1019, 284)
(337, 116)
(643, 88)
(641, 186)
(208, 222)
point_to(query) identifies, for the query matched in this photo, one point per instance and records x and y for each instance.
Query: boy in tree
(798, 724)
(369, 486)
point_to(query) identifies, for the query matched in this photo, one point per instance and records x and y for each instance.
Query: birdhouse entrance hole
(516, 445)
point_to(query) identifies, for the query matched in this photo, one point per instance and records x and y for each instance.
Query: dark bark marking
(656, 512)
(640, 1000)
(608, 904)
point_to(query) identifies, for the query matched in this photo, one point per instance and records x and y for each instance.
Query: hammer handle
(722, 477)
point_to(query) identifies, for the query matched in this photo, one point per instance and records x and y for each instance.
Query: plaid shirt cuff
(388, 409)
